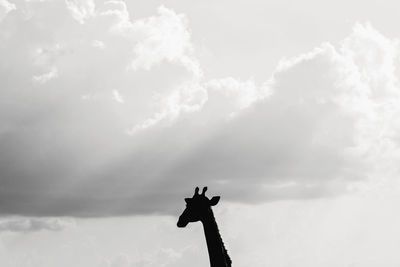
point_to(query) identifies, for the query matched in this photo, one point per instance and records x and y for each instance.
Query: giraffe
(198, 208)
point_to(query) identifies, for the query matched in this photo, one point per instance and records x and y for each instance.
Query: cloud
(297, 142)
(43, 78)
(190, 97)
(308, 131)
(33, 224)
(81, 10)
(236, 94)
(5, 8)
(320, 122)
(117, 96)
(166, 37)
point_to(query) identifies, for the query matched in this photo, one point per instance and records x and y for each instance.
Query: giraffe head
(197, 207)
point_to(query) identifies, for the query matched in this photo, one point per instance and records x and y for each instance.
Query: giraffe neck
(216, 250)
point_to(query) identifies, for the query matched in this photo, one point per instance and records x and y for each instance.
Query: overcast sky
(111, 112)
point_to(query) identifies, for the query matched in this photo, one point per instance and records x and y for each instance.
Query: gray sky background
(111, 112)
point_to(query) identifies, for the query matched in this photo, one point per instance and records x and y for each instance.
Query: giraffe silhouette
(198, 208)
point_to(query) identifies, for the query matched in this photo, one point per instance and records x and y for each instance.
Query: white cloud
(81, 10)
(189, 97)
(235, 94)
(369, 62)
(117, 9)
(375, 56)
(117, 96)
(44, 78)
(166, 37)
(5, 8)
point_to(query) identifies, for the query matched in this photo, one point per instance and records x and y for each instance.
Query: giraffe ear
(214, 200)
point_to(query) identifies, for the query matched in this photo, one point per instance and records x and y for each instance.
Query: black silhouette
(198, 208)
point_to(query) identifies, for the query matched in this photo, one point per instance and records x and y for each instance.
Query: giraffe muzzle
(181, 223)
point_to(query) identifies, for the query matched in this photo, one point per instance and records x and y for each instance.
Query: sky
(112, 112)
